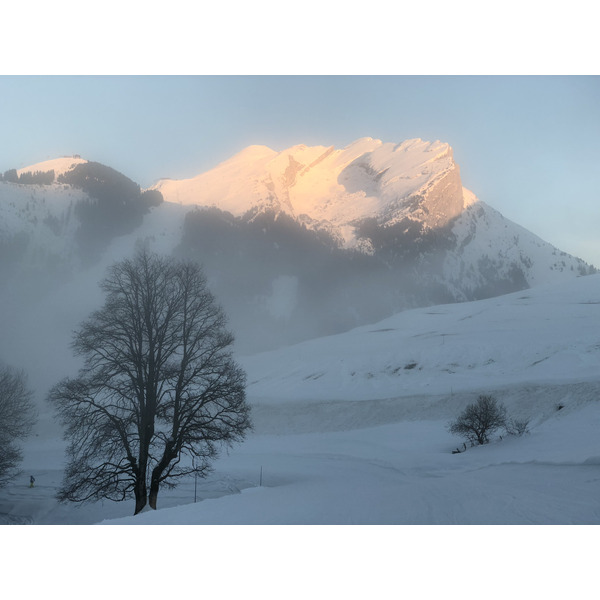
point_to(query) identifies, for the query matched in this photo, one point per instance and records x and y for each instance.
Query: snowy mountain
(333, 189)
(394, 219)
(53, 225)
(372, 196)
(301, 243)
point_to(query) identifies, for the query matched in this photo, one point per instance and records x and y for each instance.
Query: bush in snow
(517, 426)
(479, 420)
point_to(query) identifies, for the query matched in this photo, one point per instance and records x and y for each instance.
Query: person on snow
(31, 481)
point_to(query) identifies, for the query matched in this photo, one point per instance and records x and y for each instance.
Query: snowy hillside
(546, 335)
(37, 223)
(365, 415)
(488, 243)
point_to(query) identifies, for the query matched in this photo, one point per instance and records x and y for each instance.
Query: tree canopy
(479, 419)
(158, 388)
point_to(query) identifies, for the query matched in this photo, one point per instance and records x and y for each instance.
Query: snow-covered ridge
(478, 254)
(329, 187)
(58, 165)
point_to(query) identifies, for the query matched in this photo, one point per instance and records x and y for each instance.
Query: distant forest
(29, 178)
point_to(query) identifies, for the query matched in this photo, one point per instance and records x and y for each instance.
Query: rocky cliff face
(443, 201)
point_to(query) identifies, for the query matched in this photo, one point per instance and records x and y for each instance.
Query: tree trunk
(146, 434)
(140, 502)
(141, 495)
(167, 457)
(153, 494)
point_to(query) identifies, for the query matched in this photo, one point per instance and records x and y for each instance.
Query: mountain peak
(255, 151)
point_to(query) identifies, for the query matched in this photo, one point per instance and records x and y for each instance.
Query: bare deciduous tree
(158, 383)
(17, 417)
(479, 420)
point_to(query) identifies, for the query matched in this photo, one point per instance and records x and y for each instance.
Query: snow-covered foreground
(398, 473)
(353, 428)
(404, 473)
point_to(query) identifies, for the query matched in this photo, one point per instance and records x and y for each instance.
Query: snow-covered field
(398, 473)
(351, 429)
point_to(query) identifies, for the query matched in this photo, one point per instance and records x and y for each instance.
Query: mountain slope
(542, 336)
(60, 165)
(489, 247)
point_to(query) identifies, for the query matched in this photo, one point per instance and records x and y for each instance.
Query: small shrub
(517, 426)
(479, 420)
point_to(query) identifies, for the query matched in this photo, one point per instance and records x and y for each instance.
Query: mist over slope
(539, 337)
